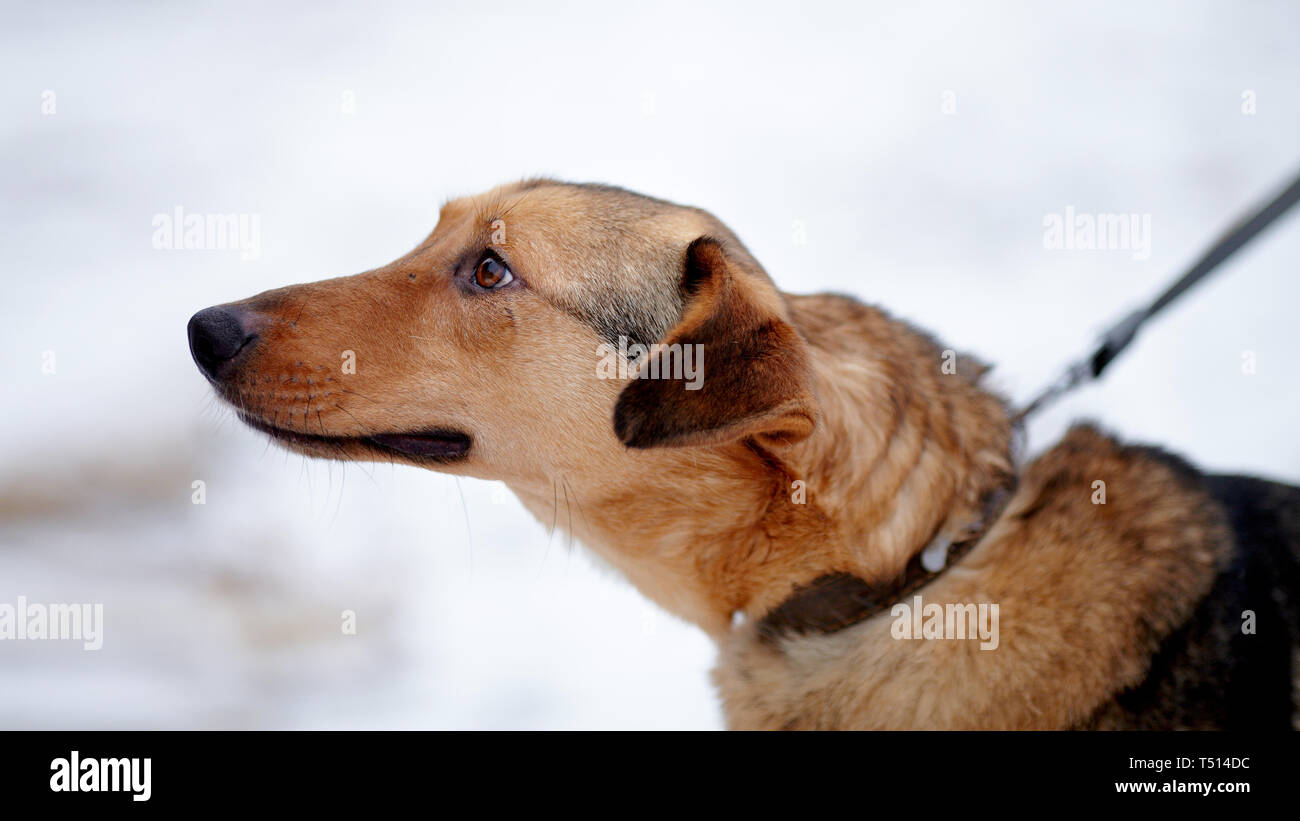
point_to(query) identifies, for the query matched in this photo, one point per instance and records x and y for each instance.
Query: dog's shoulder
(1230, 665)
(1105, 551)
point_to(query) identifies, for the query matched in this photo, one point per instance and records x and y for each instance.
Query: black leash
(1122, 333)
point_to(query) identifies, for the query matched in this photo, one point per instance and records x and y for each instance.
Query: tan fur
(892, 450)
(1086, 593)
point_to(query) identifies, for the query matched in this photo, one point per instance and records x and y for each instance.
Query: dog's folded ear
(754, 378)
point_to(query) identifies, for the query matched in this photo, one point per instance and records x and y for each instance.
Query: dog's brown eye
(492, 273)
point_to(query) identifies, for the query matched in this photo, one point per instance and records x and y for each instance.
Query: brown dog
(833, 498)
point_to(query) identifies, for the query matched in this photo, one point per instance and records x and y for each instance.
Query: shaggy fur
(826, 438)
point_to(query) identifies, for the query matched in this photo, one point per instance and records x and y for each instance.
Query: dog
(835, 501)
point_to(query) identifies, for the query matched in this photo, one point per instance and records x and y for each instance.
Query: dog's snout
(217, 335)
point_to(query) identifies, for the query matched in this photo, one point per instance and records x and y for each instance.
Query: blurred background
(908, 154)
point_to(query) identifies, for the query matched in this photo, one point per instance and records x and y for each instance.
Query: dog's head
(491, 349)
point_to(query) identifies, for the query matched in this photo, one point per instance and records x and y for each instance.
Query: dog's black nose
(216, 336)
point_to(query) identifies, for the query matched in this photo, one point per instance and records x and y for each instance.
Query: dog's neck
(907, 448)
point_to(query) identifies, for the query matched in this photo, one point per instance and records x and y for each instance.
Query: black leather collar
(838, 600)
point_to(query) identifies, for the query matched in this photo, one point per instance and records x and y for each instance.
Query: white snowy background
(228, 614)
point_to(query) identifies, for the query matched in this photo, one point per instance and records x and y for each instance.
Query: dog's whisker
(343, 486)
(568, 510)
(305, 471)
(582, 514)
(555, 510)
(351, 392)
(361, 429)
(469, 533)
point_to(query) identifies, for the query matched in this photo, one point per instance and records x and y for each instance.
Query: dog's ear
(753, 375)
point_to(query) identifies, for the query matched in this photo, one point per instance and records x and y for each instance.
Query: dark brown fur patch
(755, 367)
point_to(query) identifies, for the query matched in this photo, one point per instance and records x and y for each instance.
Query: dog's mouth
(436, 445)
